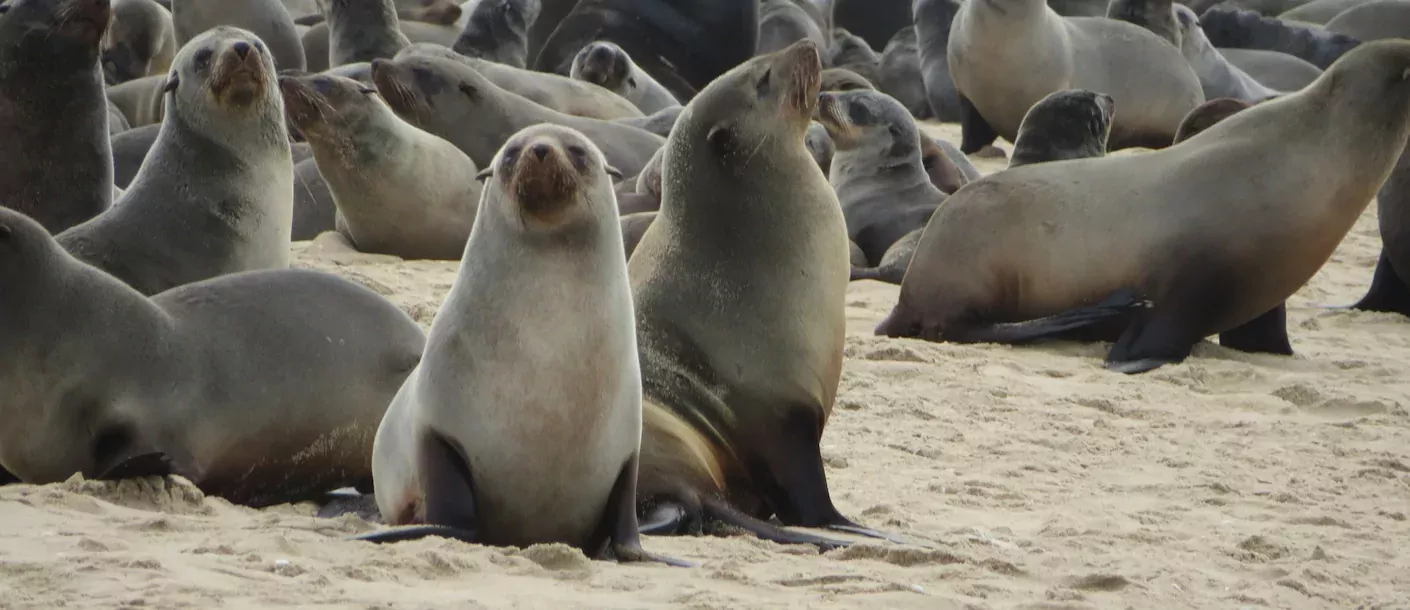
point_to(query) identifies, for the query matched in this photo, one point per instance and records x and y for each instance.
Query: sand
(1039, 479)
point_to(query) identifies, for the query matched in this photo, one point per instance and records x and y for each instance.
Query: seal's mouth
(301, 103)
(391, 80)
(239, 76)
(803, 64)
(833, 116)
(543, 181)
(85, 20)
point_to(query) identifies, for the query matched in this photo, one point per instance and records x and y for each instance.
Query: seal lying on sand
(469, 449)
(1220, 265)
(261, 387)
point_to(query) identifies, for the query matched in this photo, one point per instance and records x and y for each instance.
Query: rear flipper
(975, 132)
(686, 516)
(417, 532)
(1125, 302)
(1155, 338)
(619, 531)
(1388, 293)
(1267, 333)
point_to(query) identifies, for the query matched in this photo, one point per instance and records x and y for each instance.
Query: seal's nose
(242, 49)
(540, 151)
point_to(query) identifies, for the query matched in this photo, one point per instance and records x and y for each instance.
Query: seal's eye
(763, 85)
(512, 153)
(470, 91)
(203, 58)
(259, 46)
(579, 156)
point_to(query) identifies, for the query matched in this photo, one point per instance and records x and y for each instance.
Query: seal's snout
(802, 61)
(242, 49)
(541, 150)
(543, 179)
(387, 78)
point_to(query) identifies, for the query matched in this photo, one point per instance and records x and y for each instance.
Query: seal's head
(842, 79)
(39, 35)
(550, 177)
(604, 64)
(869, 123)
(222, 85)
(431, 92)
(326, 107)
(766, 101)
(1068, 124)
(127, 50)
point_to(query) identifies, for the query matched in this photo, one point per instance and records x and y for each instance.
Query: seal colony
(656, 208)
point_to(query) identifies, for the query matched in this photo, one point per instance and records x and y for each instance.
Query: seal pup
(683, 44)
(399, 190)
(1157, 16)
(1229, 27)
(454, 101)
(141, 100)
(933, 21)
(261, 387)
(498, 31)
(363, 30)
(606, 65)
(53, 113)
(659, 122)
(1207, 114)
(900, 73)
(1006, 55)
(466, 448)
(215, 194)
(745, 264)
(1072, 124)
(850, 52)
(554, 91)
(784, 22)
(1273, 69)
(1217, 76)
(267, 19)
(876, 171)
(1167, 281)
(140, 41)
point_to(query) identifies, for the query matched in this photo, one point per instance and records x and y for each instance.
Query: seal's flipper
(365, 486)
(417, 532)
(1122, 303)
(619, 530)
(878, 534)
(447, 481)
(1388, 293)
(1267, 333)
(1154, 339)
(865, 273)
(153, 464)
(975, 132)
(722, 512)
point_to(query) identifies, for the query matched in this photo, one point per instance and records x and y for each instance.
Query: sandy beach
(1033, 477)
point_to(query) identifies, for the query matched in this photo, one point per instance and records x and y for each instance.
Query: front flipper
(449, 491)
(722, 512)
(975, 132)
(619, 530)
(1267, 333)
(1388, 293)
(1154, 339)
(1124, 302)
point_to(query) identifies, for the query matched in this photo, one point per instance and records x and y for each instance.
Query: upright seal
(470, 449)
(267, 19)
(53, 113)
(216, 193)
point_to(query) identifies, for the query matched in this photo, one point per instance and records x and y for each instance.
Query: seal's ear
(615, 173)
(485, 174)
(171, 83)
(365, 90)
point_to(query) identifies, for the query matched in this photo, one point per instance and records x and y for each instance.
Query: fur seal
(52, 111)
(363, 30)
(117, 121)
(992, 42)
(261, 387)
(465, 447)
(606, 65)
(820, 146)
(1217, 76)
(1273, 69)
(900, 73)
(454, 101)
(948, 168)
(1318, 11)
(1390, 290)
(1164, 283)
(140, 41)
(141, 99)
(498, 31)
(634, 225)
(317, 41)
(683, 44)
(130, 148)
(267, 19)
(933, 22)
(1376, 20)
(876, 171)
(875, 21)
(1155, 16)
(1207, 114)
(784, 22)
(740, 287)
(553, 91)
(399, 190)
(1228, 27)
(851, 52)
(842, 79)
(659, 123)
(215, 194)
(1071, 124)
